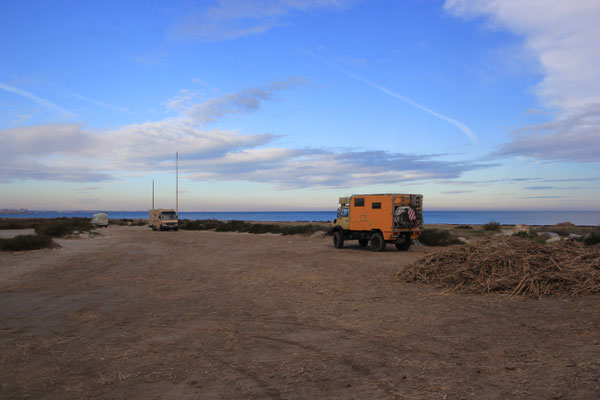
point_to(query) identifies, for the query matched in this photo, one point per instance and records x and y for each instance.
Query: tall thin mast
(153, 194)
(177, 183)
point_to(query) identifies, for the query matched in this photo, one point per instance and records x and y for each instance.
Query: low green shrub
(243, 226)
(198, 225)
(437, 237)
(21, 223)
(492, 226)
(592, 239)
(561, 232)
(233, 226)
(27, 242)
(60, 227)
(302, 229)
(128, 222)
(262, 228)
(522, 234)
(464, 227)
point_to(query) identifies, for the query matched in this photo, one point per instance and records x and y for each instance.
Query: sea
(583, 218)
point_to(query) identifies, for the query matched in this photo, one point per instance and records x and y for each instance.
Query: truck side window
(344, 212)
(359, 202)
(376, 205)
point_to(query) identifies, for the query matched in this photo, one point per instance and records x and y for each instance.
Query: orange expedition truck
(378, 219)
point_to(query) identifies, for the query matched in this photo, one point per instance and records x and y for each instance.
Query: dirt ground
(137, 314)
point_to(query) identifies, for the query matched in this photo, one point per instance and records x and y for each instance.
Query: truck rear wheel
(363, 242)
(404, 246)
(338, 240)
(377, 242)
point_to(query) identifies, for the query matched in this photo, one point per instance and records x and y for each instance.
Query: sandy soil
(137, 314)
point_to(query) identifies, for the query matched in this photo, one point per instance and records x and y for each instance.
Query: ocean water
(430, 217)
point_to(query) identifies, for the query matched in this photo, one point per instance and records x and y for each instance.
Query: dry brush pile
(511, 265)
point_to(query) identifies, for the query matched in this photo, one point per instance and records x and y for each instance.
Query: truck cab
(379, 219)
(343, 214)
(163, 219)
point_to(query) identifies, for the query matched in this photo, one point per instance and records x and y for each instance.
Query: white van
(100, 220)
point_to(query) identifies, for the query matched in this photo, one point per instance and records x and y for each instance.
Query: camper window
(168, 215)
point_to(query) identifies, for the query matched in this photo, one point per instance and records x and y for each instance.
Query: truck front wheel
(377, 242)
(338, 240)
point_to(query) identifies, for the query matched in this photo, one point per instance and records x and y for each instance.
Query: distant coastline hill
(16, 211)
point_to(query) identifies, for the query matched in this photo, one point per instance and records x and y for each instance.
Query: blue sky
(288, 105)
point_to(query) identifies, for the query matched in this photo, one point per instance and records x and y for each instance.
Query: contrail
(69, 92)
(465, 129)
(42, 102)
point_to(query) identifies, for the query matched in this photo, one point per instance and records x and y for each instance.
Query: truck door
(343, 219)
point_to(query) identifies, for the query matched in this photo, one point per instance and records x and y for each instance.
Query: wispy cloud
(23, 168)
(38, 100)
(230, 19)
(243, 101)
(553, 188)
(573, 180)
(290, 169)
(457, 191)
(544, 197)
(541, 187)
(575, 138)
(462, 127)
(89, 188)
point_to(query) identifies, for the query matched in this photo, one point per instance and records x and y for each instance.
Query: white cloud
(44, 140)
(181, 100)
(563, 35)
(70, 152)
(306, 168)
(575, 138)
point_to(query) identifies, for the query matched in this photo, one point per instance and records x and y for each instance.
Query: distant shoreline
(579, 218)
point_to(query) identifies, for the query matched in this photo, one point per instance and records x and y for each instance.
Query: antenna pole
(153, 194)
(177, 183)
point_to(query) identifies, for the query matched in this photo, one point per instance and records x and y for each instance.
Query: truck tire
(377, 242)
(363, 242)
(338, 239)
(404, 246)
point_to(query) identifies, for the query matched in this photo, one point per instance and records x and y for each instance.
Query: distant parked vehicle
(100, 220)
(163, 219)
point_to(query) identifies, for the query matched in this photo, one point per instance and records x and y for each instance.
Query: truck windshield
(168, 215)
